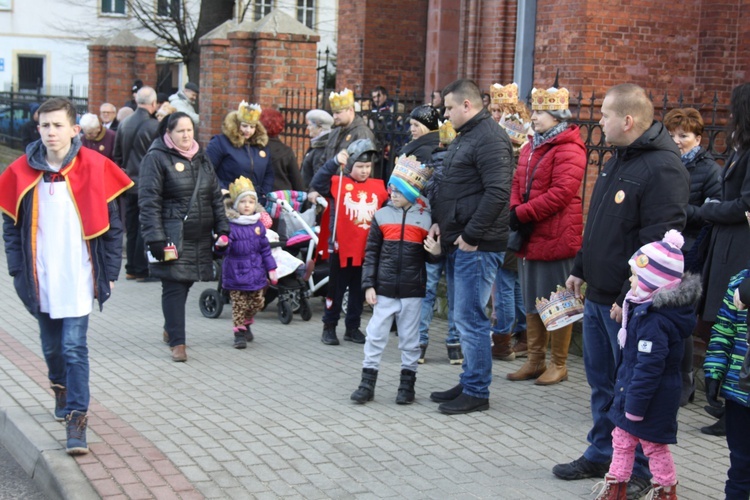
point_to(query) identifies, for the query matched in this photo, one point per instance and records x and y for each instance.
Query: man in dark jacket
(471, 214)
(134, 137)
(63, 242)
(348, 126)
(641, 193)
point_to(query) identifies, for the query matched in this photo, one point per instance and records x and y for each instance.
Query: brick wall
(382, 43)
(112, 70)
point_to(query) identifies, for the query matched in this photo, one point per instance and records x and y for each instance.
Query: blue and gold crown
(409, 176)
(249, 113)
(341, 100)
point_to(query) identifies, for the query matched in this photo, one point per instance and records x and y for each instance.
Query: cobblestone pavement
(275, 420)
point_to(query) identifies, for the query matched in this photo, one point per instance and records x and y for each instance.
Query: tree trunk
(213, 13)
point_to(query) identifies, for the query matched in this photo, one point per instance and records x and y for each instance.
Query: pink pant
(660, 461)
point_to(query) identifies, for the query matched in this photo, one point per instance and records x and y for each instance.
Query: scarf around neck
(187, 154)
(539, 139)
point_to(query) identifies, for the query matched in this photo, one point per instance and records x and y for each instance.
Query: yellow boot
(537, 337)
(557, 371)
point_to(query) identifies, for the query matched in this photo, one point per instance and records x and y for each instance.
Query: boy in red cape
(357, 197)
(63, 242)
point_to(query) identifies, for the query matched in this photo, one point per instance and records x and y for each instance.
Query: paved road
(275, 420)
(14, 482)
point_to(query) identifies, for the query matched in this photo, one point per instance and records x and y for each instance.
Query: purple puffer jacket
(247, 258)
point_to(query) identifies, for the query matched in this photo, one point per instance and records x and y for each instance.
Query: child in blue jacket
(658, 316)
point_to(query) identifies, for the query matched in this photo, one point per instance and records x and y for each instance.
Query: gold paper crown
(341, 101)
(562, 309)
(446, 132)
(412, 171)
(507, 94)
(249, 113)
(515, 127)
(241, 185)
(550, 99)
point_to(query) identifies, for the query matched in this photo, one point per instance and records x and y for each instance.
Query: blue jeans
(599, 352)
(508, 303)
(67, 355)
(738, 423)
(470, 276)
(428, 306)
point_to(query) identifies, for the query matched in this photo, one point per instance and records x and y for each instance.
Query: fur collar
(687, 293)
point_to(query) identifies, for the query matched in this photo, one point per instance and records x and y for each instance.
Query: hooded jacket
(474, 190)
(314, 157)
(395, 255)
(252, 160)
(105, 247)
(640, 194)
(648, 379)
(167, 183)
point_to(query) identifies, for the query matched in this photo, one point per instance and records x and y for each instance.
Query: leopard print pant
(245, 305)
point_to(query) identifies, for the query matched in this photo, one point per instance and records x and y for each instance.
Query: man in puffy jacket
(641, 193)
(471, 215)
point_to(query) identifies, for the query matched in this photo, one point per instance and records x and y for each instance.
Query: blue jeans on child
(434, 271)
(599, 351)
(508, 303)
(67, 355)
(470, 276)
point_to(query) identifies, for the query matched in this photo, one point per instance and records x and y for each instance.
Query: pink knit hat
(659, 264)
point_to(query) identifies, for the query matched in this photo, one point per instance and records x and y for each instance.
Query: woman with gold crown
(241, 150)
(546, 206)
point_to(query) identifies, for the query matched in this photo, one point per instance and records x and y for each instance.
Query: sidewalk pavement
(275, 420)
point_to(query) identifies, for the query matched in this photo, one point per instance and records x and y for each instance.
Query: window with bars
(113, 6)
(262, 8)
(306, 12)
(168, 8)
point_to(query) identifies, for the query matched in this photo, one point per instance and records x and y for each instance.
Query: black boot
(240, 342)
(405, 395)
(329, 335)
(355, 335)
(717, 429)
(366, 390)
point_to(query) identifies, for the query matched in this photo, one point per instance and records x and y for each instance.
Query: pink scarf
(187, 154)
(637, 298)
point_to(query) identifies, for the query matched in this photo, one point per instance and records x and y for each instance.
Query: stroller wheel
(285, 312)
(305, 311)
(211, 303)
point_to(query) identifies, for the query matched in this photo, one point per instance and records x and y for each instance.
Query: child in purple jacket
(247, 259)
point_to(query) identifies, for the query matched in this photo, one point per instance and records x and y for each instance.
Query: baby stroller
(298, 237)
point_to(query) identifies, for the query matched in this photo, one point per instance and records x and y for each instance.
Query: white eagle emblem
(361, 211)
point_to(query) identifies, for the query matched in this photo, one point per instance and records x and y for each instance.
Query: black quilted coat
(167, 180)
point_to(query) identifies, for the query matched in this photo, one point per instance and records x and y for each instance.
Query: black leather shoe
(718, 428)
(329, 335)
(449, 395)
(638, 487)
(355, 335)
(464, 404)
(581, 468)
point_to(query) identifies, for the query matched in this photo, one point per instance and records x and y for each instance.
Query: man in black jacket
(134, 137)
(471, 215)
(641, 193)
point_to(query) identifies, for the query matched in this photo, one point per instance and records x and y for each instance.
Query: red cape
(92, 181)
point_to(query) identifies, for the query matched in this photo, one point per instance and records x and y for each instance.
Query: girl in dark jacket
(658, 315)
(181, 206)
(241, 150)
(550, 167)
(247, 259)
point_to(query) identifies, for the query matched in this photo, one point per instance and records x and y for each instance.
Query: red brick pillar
(215, 79)
(442, 51)
(114, 64)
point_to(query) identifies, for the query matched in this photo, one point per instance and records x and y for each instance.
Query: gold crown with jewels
(341, 100)
(562, 309)
(549, 100)
(515, 127)
(241, 185)
(249, 113)
(507, 94)
(412, 171)
(446, 132)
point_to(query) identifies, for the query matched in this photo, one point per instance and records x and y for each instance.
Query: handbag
(174, 227)
(518, 237)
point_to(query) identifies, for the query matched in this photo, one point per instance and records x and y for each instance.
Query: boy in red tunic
(357, 197)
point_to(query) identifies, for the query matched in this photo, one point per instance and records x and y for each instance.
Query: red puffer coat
(554, 205)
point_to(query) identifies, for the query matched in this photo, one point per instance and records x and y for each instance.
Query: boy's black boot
(329, 335)
(355, 335)
(405, 395)
(366, 390)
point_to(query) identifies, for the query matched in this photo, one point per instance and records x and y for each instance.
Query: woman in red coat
(550, 167)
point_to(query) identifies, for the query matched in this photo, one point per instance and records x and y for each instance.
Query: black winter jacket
(132, 140)
(640, 194)
(340, 137)
(474, 190)
(423, 147)
(395, 255)
(167, 183)
(314, 158)
(705, 182)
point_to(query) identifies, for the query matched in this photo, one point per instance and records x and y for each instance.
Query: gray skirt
(539, 278)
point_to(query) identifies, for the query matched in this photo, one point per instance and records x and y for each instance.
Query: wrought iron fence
(15, 112)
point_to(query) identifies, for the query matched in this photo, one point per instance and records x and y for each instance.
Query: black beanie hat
(426, 115)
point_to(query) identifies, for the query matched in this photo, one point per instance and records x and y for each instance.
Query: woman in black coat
(423, 125)
(181, 209)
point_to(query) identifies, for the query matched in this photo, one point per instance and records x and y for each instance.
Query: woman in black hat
(425, 139)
